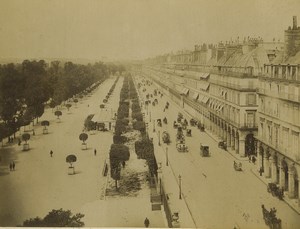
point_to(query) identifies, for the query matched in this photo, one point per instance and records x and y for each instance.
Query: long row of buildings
(246, 93)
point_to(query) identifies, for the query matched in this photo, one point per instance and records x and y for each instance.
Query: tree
(25, 137)
(75, 101)
(45, 123)
(118, 153)
(68, 105)
(83, 137)
(71, 159)
(56, 218)
(58, 113)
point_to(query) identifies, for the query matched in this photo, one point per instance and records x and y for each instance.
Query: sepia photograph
(150, 114)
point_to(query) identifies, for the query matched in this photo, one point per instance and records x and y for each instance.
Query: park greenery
(56, 218)
(26, 88)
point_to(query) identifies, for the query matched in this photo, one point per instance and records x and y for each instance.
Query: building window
(276, 136)
(250, 120)
(251, 99)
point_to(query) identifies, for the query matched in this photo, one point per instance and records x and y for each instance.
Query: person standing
(95, 152)
(51, 153)
(146, 222)
(10, 166)
(13, 166)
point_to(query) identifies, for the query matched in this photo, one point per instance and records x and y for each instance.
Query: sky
(134, 29)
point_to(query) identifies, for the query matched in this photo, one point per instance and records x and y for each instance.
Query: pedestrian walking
(10, 166)
(253, 159)
(13, 165)
(261, 171)
(146, 222)
(95, 152)
(51, 153)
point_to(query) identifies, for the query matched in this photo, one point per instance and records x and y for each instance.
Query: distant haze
(133, 29)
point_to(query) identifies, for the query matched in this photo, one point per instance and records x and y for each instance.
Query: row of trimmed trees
(26, 88)
(119, 153)
(144, 148)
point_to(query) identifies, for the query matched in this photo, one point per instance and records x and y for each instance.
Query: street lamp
(179, 178)
(167, 158)
(159, 137)
(153, 126)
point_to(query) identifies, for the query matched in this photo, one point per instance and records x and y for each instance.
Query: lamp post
(150, 115)
(159, 137)
(179, 178)
(167, 158)
(153, 126)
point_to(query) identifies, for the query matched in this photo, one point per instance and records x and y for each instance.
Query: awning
(195, 96)
(179, 72)
(205, 99)
(185, 91)
(204, 86)
(200, 97)
(204, 75)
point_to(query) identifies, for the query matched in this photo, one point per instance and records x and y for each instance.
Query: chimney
(294, 22)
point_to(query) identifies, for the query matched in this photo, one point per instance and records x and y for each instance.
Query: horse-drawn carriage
(188, 132)
(166, 137)
(181, 147)
(222, 145)
(270, 218)
(204, 150)
(165, 120)
(159, 122)
(275, 190)
(193, 122)
(237, 166)
(200, 126)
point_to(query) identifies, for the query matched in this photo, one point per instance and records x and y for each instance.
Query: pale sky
(133, 28)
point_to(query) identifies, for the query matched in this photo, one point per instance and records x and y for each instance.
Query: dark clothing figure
(146, 222)
(123, 164)
(253, 160)
(95, 152)
(13, 165)
(260, 171)
(19, 143)
(10, 166)
(51, 153)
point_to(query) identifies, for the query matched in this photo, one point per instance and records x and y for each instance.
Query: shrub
(137, 116)
(119, 139)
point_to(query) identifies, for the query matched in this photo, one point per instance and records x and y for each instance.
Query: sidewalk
(171, 185)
